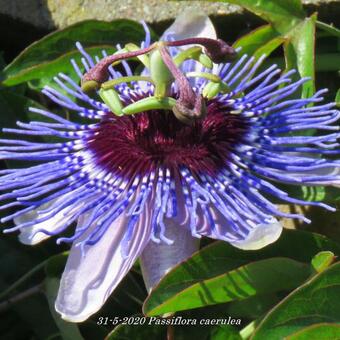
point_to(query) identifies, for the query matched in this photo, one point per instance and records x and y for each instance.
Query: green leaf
(299, 53)
(322, 260)
(221, 257)
(253, 307)
(324, 62)
(42, 74)
(225, 332)
(55, 265)
(33, 312)
(337, 98)
(328, 28)
(283, 14)
(13, 107)
(54, 46)
(317, 331)
(287, 18)
(254, 40)
(313, 302)
(264, 276)
(137, 332)
(68, 331)
(269, 47)
(317, 194)
(206, 321)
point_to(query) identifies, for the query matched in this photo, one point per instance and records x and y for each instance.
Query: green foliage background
(288, 290)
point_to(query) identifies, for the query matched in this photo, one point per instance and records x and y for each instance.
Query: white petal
(332, 171)
(154, 267)
(260, 236)
(191, 24)
(302, 176)
(30, 235)
(27, 235)
(88, 280)
(327, 171)
(158, 259)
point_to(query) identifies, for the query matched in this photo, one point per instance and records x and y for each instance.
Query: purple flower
(166, 158)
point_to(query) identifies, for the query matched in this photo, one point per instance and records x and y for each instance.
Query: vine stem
(21, 296)
(170, 333)
(23, 279)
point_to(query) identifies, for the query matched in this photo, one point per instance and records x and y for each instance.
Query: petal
(90, 278)
(331, 171)
(159, 258)
(34, 234)
(30, 235)
(183, 246)
(260, 236)
(191, 24)
(256, 237)
(329, 176)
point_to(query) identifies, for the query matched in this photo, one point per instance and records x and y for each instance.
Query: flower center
(139, 144)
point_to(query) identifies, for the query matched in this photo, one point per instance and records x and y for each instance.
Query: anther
(216, 49)
(98, 74)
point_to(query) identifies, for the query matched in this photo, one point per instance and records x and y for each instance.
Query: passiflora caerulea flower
(191, 147)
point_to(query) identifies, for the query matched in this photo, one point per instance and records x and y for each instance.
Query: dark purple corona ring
(131, 145)
(128, 175)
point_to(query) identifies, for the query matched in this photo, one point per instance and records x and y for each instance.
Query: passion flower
(191, 147)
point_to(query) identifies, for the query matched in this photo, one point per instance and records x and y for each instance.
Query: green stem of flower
(195, 53)
(160, 74)
(212, 77)
(112, 83)
(149, 103)
(213, 88)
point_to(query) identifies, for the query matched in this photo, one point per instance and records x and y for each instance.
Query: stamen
(216, 49)
(99, 74)
(150, 103)
(112, 83)
(194, 53)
